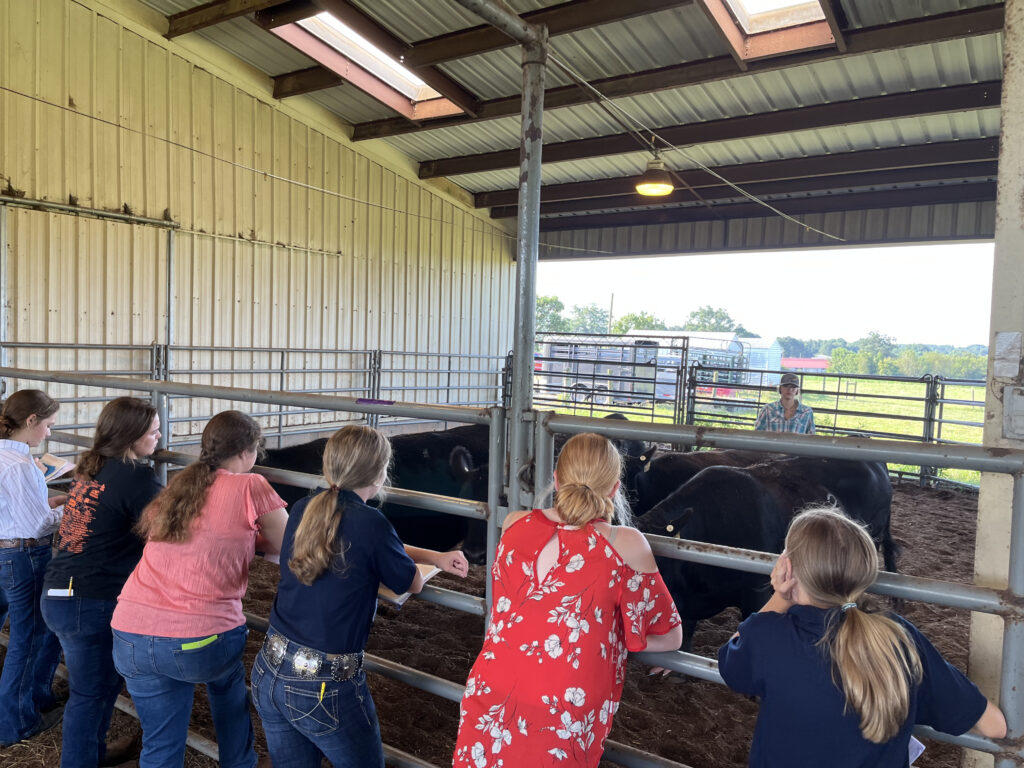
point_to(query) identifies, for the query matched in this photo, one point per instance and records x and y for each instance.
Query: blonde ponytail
(354, 457)
(874, 660)
(875, 663)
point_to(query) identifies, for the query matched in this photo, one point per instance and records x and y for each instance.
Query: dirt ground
(698, 724)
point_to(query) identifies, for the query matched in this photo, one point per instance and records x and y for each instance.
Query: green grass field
(842, 406)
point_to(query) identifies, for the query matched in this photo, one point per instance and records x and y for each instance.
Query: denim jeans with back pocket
(161, 674)
(303, 718)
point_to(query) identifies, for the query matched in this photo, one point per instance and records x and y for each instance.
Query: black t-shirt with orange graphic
(96, 548)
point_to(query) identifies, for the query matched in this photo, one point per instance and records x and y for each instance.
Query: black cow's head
(666, 520)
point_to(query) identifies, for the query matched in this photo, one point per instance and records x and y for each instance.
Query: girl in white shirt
(27, 520)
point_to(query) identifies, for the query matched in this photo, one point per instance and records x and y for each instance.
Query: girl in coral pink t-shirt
(179, 618)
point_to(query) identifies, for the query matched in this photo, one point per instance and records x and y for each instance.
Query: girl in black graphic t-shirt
(96, 550)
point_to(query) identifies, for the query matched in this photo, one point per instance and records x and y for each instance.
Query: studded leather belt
(308, 663)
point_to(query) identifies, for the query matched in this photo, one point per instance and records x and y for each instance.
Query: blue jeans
(33, 651)
(83, 627)
(300, 726)
(162, 675)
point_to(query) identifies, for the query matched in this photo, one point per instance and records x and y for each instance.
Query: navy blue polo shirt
(335, 612)
(802, 723)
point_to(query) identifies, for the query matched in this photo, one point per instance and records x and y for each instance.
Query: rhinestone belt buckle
(275, 648)
(306, 663)
(345, 666)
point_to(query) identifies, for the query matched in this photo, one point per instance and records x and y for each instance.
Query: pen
(323, 685)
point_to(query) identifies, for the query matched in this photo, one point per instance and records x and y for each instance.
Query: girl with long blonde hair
(308, 681)
(572, 595)
(841, 685)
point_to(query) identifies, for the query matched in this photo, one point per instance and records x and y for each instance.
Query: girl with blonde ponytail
(308, 681)
(840, 685)
(572, 594)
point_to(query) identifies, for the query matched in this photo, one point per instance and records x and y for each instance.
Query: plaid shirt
(772, 419)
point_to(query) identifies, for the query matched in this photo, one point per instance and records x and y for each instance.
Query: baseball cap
(789, 379)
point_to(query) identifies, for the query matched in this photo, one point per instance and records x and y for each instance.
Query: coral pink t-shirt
(194, 588)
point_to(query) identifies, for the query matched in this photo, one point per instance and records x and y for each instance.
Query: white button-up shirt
(24, 510)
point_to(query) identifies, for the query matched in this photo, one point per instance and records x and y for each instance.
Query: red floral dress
(549, 676)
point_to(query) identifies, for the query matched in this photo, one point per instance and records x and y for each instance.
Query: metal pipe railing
(273, 397)
(962, 457)
(1008, 603)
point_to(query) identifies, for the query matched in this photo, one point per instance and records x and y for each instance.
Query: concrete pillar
(1006, 359)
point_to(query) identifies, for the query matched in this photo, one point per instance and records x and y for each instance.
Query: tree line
(590, 318)
(876, 353)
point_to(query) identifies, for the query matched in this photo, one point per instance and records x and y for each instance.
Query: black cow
(751, 508)
(450, 463)
(305, 457)
(658, 476)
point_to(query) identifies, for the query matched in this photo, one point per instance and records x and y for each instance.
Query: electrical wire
(637, 128)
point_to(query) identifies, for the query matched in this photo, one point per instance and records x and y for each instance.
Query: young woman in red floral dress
(572, 595)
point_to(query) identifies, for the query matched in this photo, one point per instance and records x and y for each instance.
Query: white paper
(916, 748)
(1008, 353)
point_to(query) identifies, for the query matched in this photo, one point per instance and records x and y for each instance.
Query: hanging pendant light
(655, 181)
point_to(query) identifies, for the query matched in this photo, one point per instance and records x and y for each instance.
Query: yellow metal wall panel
(347, 253)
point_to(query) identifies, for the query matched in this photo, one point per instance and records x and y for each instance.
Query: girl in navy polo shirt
(840, 686)
(308, 681)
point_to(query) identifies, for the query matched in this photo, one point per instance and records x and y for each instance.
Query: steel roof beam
(305, 81)
(903, 198)
(287, 13)
(958, 98)
(941, 153)
(836, 21)
(934, 29)
(559, 19)
(211, 13)
(839, 183)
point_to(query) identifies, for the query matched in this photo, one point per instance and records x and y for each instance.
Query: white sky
(928, 294)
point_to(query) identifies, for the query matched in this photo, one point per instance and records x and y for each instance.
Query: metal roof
(667, 65)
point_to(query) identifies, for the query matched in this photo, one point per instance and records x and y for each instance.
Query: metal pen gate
(1007, 604)
(929, 408)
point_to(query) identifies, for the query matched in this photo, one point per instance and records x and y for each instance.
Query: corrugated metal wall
(289, 237)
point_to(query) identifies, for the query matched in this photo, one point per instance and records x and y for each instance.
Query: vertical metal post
(543, 460)
(1011, 694)
(534, 54)
(495, 484)
(169, 277)
(280, 408)
(163, 412)
(373, 383)
(5, 295)
(928, 427)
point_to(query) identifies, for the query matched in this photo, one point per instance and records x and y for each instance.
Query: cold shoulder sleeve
(646, 608)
